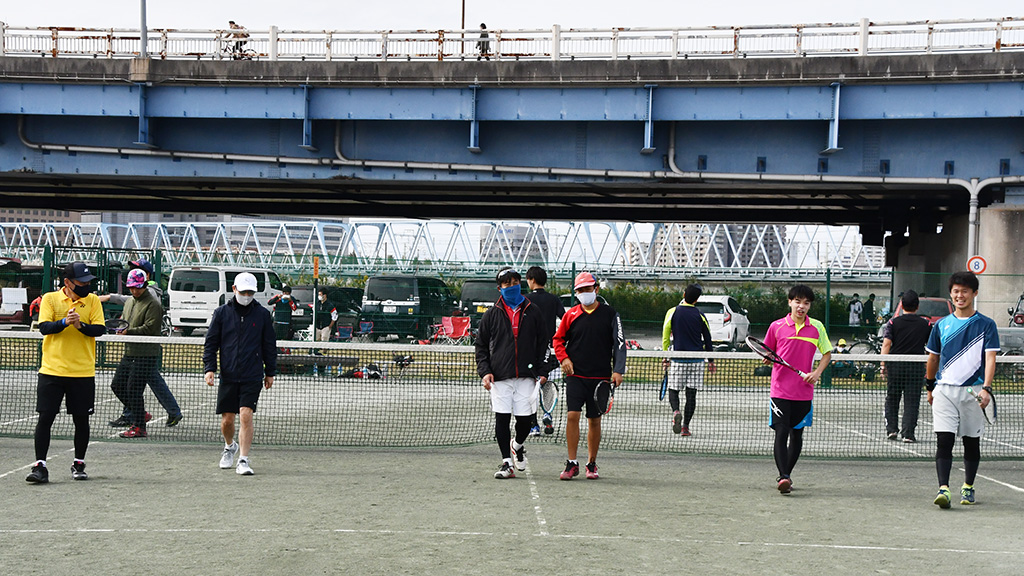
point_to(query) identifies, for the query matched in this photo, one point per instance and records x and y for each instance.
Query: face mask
(243, 300)
(323, 298)
(587, 298)
(513, 295)
(82, 291)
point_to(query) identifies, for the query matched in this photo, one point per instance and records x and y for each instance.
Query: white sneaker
(518, 456)
(227, 458)
(243, 468)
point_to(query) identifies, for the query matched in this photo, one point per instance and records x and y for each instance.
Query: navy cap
(78, 271)
(144, 264)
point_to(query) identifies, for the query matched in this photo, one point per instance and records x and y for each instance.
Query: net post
(826, 376)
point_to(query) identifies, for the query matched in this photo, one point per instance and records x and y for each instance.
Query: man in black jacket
(243, 332)
(511, 346)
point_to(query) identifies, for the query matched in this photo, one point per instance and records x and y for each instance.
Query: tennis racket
(115, 324)
(770, 355)
(548, 400)
(988, 411)
(604, 397)
(664, 386)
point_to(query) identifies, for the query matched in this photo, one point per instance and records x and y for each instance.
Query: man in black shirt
(904, 334)
(552, 310)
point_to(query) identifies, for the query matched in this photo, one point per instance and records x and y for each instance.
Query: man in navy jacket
(243, 332)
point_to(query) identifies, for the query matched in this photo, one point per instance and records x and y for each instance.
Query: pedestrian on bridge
(483, 45)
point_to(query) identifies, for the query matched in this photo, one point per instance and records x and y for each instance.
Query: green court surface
(167, 508)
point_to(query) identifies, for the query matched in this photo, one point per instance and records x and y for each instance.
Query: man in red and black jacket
(511, 345)
(590, 347)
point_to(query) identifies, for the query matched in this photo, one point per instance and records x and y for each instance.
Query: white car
(727, 319)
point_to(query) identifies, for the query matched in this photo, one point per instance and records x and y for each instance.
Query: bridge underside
(654, 201)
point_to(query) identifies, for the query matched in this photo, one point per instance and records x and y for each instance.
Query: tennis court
(156, 507)
(395, 475)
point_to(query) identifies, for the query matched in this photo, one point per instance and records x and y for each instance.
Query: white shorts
(515, 396)
(954, 409)
(685, 375)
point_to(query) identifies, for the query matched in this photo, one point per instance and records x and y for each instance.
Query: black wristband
(929, 384)
(988, 389)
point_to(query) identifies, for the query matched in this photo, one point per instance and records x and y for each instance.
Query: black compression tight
(788, 444)
(42, 436)
(691, 403)
(944, 455)
(972, 457)
(504, 436)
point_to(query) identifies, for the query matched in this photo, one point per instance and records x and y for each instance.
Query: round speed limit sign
(976, 264)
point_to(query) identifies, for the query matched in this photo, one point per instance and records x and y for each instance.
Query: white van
(194, 292)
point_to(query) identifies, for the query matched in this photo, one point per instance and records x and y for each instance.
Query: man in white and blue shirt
(962, 352)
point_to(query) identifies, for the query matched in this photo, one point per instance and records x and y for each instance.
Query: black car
(406, 305)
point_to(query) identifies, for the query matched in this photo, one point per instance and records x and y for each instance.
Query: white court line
(542, 524)
(870, 437)
(990, 479)
(463, 534)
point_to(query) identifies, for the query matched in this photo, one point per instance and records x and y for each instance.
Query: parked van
(406, 305)
(194, 292)
(477, 297)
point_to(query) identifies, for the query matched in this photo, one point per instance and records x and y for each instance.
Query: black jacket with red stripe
(506, 356)
(593, 341)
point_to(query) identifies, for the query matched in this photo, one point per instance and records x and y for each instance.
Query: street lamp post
(462, 35)
(144, 36)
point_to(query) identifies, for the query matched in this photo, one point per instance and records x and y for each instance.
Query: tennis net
(391, 395)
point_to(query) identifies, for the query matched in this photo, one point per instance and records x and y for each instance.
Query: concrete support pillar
(1000, 245)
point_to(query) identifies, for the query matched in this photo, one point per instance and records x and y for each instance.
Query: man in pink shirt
(797, 338)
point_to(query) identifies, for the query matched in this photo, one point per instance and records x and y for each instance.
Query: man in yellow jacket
(70, 320)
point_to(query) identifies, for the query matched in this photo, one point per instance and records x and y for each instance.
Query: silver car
(726, 318)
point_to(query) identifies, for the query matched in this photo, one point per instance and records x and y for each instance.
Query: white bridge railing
(777, 40)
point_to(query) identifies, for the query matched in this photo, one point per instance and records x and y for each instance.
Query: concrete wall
(1000, 243)
(972, 67)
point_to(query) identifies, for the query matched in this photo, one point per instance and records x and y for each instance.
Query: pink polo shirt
(797, 345)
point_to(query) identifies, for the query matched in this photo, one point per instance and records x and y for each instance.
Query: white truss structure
(472, 248)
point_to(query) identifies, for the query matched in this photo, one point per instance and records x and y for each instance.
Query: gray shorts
(954, 409)
(685, 375)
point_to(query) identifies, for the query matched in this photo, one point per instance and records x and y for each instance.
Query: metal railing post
(273, 43)
(675, 44)
(864, 31)
(615, 44)
(3, 42)
(556, 42)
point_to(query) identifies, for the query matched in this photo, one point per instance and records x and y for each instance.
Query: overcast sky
(517, 14)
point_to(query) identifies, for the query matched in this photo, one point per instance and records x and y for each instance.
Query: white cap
(245, 282)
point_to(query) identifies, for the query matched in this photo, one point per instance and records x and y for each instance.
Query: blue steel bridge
(910, 131)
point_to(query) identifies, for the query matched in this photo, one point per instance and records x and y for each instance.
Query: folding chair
(344, 333)
(453, 330)
(365, 330)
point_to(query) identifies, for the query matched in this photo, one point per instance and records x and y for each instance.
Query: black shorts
(232, 396)
(79, 391)
(579, 392)
(793, 414)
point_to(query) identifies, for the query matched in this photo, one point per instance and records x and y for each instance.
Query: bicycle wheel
(866, 370)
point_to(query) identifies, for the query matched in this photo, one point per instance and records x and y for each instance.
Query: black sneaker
(174, 420)
(38, 475)
(78, 471)
(121, 422)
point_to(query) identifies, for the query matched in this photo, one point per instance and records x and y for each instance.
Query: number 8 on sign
(976, 264)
